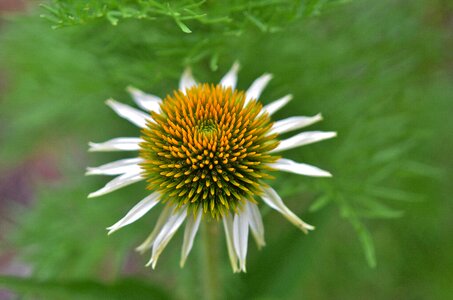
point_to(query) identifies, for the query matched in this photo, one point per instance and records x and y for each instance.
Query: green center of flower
(207, 126)
(206, 149)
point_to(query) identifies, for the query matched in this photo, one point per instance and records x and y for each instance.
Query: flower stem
(211, 288)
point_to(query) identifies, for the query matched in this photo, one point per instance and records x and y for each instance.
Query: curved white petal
(117, 183)
(257, 87)
(230, 79)
(117, 144)
(145, 101)
(274, 106)
(192, 225)
(291, 166)
(240, 237)
(187, 81)
(304, 138)
(138, 211)
(131, 114)
(271, 198)
(177, 216)
(228, 226)
(161, 221)
(294, 123)
(256, 223)
(117, 167)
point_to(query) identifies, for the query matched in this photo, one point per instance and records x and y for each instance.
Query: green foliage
(83, 289)
(227, 17)
(376, 70)
(70, 228)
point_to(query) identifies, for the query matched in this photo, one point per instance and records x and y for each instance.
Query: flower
(205, 151)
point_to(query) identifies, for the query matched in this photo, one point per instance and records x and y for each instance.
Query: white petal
(257, 87)
(131, 114)
(294, 123)
(192, 225)
(138, 211)
(272, 199)
(187, 81)
(256, 223)
(117, 167)
(240, 237)
(117, 144)
(161, 221)
(274, 106)
(291, 166)
(145, 101)
(168, 231)
(230, 79)
(304, 138)
(228, 226)
(117, 183)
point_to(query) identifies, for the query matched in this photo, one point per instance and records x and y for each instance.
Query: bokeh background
(381, 72)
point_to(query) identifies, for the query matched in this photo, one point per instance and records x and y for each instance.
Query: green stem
(211, 288)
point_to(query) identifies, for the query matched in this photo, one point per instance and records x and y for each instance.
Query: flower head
(205, 151)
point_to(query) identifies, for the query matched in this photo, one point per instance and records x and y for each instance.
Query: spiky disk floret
(205, 148)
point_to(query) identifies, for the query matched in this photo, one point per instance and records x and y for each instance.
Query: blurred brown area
(16, 184)
(12, 5)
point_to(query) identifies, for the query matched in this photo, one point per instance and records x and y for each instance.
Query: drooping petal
(129, 113)
(304, 138)
(228, 226)
(257, 87)
(240, 237)
(117, 144)
(291, 166)
(294, 123)
(168, 231)
(230, 79)
(117, 183)
(271, 198)
(192, 225)
(274, 106)
(138, 211)
(117, 167)
(145, 101)
(256, 223)
(187, 81)
(161, 221)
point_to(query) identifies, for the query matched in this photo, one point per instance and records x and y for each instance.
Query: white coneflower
(204, 152)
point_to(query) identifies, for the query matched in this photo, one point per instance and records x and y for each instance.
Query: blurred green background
(381, 72)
